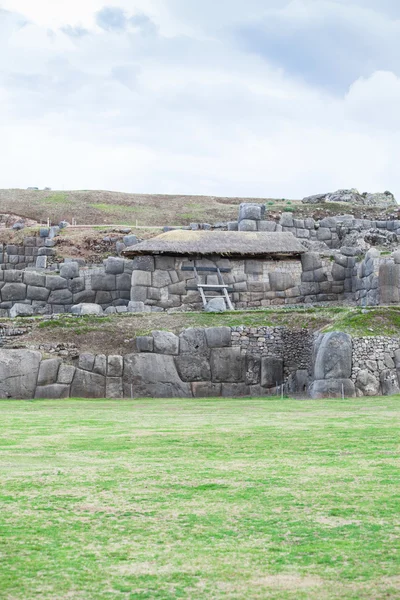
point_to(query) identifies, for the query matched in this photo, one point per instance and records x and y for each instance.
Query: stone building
(183, 269)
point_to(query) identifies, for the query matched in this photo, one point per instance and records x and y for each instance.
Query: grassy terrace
(250, 498)
(115, 333)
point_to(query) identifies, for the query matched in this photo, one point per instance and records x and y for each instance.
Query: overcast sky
(281, 98)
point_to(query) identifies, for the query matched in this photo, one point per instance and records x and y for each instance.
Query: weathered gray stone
(115, 366)
(31, 278)
(144, 343)
(165, 342)
(13, 276)
(332, 388)
(12, 292)
(218, 337)
(61, 297)
(389, 282)
(86, 361)
(114, 266)
(130, 240)
(41, 262)
(100, 364)
(235, 390)
(84, 297)
(251, 211)
(193, 341)
(48, 371)
(333, 356)
(76, 285)
(114, 387)
(193, 368)
(206, 389)
(310, 261)
(367, 383)
(324, 234)
(247, 225)
(88, 385)
(18, 373)
(141, 278)
(105, 282)
(66, 374)
(138, 307)
(165, 263)
(271, 371)
(160, 279)
(139, 294)
(215, 305)
(37, 293)
(69, 270)
(21, 310)
(389, 382)
(267, 226)
(54, 282)
(143, 263)
(53, 391)
(227, 365)
(87, 309)
(280, 281)
(124, 281)
(153, 375)
(233, 226)
(286, 219)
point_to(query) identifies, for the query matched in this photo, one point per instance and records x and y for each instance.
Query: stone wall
(159, 283)
(32, 292)
(22, 256)
(376, 365)
(213, 362)
(219, 361)
(330, 230)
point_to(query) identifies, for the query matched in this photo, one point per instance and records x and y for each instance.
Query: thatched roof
(225, 243)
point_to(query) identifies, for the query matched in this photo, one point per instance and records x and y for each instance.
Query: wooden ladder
(221, 287)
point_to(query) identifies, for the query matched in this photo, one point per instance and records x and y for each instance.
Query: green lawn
(200, 499)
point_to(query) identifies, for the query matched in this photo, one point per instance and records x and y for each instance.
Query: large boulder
(333, 388)
(333, 356)
(384, 199)
(21, 310)
(193, 341)
(153, 375)
(227, 365)
(271, 372)
(165, 342)
(87, 308)
(367, 384)
(389, 383)
(215, 305)
(48, 371)
(18, 373)
(88, 385)
(193, 367)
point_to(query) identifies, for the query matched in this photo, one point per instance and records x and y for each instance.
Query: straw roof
(224, 243)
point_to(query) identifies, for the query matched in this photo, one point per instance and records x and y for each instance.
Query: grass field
(250, 498)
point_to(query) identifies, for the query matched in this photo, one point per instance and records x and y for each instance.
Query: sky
(267, 98)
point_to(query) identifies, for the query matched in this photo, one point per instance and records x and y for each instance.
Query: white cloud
(154, 109)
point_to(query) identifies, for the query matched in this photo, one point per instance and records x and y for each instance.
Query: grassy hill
(100, 207)
(104, 207)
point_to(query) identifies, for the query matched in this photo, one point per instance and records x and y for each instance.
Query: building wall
(160, 283)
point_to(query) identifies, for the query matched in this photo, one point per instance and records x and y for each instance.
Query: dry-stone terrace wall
(45, 292)
(218, 361)
(21, 256)
(376, 365)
